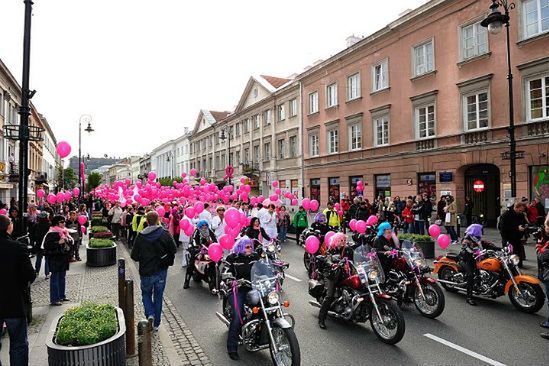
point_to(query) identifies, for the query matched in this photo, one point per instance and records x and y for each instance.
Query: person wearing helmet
(385, 242)
(203, 235)
(320, 223)
(240, 263)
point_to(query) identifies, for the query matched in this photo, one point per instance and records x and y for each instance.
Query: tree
(168, 182)
(66, 178)
(94, 180)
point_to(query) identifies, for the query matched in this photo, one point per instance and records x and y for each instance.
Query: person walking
(332, 217)
(283, 222)
(37, 234)
(408, 217)
(450, 218)
(16, 275)
(154, 249)
(116, 216)
(512, 225)
(418, 211)
(76, 235)
(218, 222)
(300, 223)
(542, 250)
(206, 214)
(57, 247)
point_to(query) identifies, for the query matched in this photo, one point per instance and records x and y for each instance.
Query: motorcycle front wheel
(432, 305)
(287, 345)
(391, 327)
(530, 298)
(307, 260)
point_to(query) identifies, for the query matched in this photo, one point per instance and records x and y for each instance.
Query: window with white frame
(331, 95)
(380, 75)
(237, 156)
(538, 98)
(266, 115)
(237, 130)
(474, 41)
(293, 146)
(423, 58)
(255, 121)
(267, 151)
(314, 144)
(535, 17)
(246, 156)
(245, 126)
(281, 148)
(381, 126)
(281, 111)
(333, 141)
(313, 102)
(293, 107)
(353, 86)
(475, 110)
(355, 136)
(425, 121)
(256, 153)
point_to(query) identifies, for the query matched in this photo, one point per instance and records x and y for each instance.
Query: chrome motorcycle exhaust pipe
(315, 303)
(222, 318)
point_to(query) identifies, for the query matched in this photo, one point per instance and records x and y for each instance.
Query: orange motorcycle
(497, 274)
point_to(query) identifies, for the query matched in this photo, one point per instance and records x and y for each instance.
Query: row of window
(475, 115)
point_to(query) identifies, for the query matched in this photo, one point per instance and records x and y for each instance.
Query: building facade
(163, 160)
(422, 106)
(182, 153)
(48, 182)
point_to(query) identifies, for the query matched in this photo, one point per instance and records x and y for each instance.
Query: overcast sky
(144, 68)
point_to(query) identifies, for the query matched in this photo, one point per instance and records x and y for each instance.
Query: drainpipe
(302, 139)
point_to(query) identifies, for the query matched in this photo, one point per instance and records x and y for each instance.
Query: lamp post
(86, 119)
(170, 157)
(494, 22)
(228, 137)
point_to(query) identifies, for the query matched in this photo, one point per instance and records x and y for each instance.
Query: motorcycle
(205, 269)
(307, 257)
(360, 298)
(264, 323)
(272, 250)
(407, 281)
(497, 274)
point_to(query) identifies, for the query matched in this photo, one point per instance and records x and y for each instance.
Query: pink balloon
(152, 175)
(294, 202)
(243, 219)
(82, 219)
(63, 149)
(83, 229)
(278, 191)
(226, 241)
(193, 172)
(361, 226)
(183, 175)
(312, 244)
(198, 207)
(313, 205)
(51, 198)
(189, 230)
(372, 220)
(161, 211)
(184, 223)
(434, 231)
(352, 224)
(288, 195)
(273, 197)
(243, 180)
(3, 211)
(76, 192)
(443, 241)
(306, 203)
(232, 217)
(40, 193)
(274, 184)
(215, 251)
(189, 212)
(328, 236)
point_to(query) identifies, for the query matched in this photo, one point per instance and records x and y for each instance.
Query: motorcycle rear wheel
(307, 260)
(535, 301)
(288, 347)
(391, 328)
(434, 302)
(446, 274)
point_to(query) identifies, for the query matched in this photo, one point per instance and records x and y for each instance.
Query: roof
(275, 81)
(219, 116)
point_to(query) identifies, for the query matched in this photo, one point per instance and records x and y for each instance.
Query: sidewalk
(173, 344)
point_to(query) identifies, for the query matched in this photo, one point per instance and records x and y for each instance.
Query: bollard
(122, 284)
(144, 347)
(130, 319)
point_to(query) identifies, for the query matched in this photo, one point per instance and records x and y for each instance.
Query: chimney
(352, 39)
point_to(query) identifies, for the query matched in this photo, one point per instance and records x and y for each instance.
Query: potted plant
(100, 252)
(89, 334)
(102, 232)
(425, 242)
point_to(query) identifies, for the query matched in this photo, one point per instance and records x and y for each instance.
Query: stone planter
(110, 352)
(428, 248)
(100, 257)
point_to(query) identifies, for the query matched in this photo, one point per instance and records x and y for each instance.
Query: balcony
(475, 137)
(538, 128)
(425, 144)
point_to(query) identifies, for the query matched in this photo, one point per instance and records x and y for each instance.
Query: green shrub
(101, 243)
(96, 222)
(414, 238)
(99, 229)
(87, 324)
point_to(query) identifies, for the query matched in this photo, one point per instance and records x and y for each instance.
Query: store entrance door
(483, 188)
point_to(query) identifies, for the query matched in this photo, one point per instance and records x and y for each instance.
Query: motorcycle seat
(453, 256)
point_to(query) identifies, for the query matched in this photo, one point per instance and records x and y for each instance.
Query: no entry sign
(478, 186)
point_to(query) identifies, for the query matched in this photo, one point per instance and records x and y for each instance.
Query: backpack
(166, 258)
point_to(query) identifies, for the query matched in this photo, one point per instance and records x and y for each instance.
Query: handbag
(448, 217)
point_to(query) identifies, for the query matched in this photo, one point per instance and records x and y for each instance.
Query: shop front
(352, 184)
(383, 185)
(333, 189)
(539, 184)
(427, 183)
(315, 189)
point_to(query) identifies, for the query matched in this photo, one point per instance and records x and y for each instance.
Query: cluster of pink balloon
(443, 240)
(360, 226)
(60, 197)
(360, 186)
(235, 221)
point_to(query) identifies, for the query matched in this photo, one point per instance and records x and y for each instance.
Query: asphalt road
(491, 333)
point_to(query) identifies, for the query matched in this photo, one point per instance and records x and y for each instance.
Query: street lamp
(168, 157)
(228, 137)
(86, 118)
(494, 22)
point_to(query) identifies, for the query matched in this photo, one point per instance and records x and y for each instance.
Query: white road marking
(292, 278)
(464, 350)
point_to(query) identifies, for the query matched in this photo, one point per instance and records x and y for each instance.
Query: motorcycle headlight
(273, 298)
(372, 275)
(419, 263)
(271, 248)
(206, 257)
(514, 259)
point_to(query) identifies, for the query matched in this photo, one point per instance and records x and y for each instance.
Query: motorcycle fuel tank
(490, 264)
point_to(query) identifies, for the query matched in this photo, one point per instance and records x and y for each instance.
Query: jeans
(452, 232)
(235, 326)
(19, 343)
(546, 283)
(409, 228)
(282, 231)
(38, 264)
(57, 286)
(419, 227)
(152, 291)
(298, 231)
(115, 230)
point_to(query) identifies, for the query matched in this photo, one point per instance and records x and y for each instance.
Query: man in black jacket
(154, 249)
(512, 225)
(16, 274)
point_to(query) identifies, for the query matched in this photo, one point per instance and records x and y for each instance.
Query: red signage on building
(478, 186)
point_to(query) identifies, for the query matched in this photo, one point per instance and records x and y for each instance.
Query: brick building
(422, 105)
